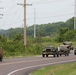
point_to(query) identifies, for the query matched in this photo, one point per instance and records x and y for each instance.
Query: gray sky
(46, 11)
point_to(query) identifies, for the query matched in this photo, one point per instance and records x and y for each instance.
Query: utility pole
(25, 23)
(24, 5)
(34, 24)
(75, 15)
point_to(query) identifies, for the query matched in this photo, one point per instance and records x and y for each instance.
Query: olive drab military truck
(50, 50)
(1, 54)
(64, 50)
(69, 43)
(75, 51)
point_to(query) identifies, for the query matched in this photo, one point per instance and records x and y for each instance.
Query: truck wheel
(60, 54)
(1, 59)
(46, 55)
(54, 55)
(67, 54)
(74, 53)
(57, 55)
(43, 55)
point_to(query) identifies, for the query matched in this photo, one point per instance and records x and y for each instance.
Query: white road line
(39, 66)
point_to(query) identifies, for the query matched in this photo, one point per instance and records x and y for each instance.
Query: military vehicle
(1, 57)
(64, 50)
(50, 50)
(1, 54)
(75, 52)
(68, 43)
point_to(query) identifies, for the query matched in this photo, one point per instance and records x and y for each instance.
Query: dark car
(50, 50)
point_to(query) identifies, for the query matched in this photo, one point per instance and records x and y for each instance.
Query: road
(24, 66)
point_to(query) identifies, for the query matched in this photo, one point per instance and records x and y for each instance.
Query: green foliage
(70, 23)
(3, 38)
(18, 37)
(61, 36)
(12, 40)
(16, 48)
(41, 30)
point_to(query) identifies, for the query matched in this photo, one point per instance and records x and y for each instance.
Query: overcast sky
(46, 11)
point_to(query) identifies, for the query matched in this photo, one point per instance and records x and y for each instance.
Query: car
(50, 50)
(64, 50)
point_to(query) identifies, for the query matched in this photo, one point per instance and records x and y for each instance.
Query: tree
(61, 34)
(18, 37)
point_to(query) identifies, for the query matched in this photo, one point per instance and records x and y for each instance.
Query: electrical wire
(44, 2)
(11, 7)
(51, 16)
(51, 11)
(40, 18)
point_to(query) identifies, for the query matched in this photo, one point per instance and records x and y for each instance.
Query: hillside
(49, 29)
(11, 40)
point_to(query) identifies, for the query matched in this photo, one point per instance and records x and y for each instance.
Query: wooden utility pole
(24, 5)
(25, 23)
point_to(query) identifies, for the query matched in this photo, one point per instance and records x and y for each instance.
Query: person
(1, 54)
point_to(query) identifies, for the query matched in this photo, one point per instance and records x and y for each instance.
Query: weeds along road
(24, 66)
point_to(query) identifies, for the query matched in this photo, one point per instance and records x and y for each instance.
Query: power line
(11, 7)
(44, 2)
(51, 11)
(50, 16)
(41, 18)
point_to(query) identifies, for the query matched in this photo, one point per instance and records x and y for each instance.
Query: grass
(63, 69)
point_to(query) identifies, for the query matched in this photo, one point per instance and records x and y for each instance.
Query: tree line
(12, 39)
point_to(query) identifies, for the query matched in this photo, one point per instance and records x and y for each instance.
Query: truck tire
(47, 55)
(43, 55)
(1, 59)
(54, 55)
(67, 54)
(60, 54)
(74, 53)
(57, 55)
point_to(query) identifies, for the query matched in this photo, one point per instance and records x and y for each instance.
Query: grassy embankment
(63, 69)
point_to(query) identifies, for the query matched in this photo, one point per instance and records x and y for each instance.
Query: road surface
(24, 66)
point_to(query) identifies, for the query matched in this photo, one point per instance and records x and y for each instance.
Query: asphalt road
(24, 66)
